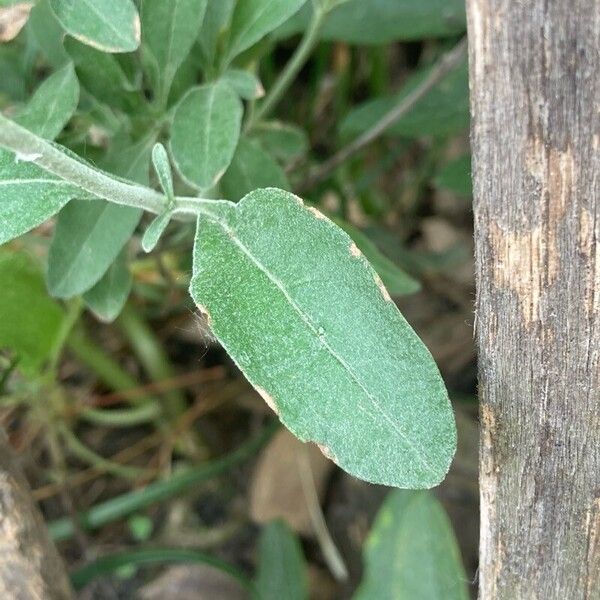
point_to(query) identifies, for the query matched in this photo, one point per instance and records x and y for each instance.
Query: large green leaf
(250, 169)
(253, 19)
(87, 239)
(281, 569)
(312, 327)
(28, 196)
(443, 111)
(108, 25)
(52, 104)
(385, 21)
(205, 133)
(169, 30)
(30, 319)
(412, 553)
(107, 298)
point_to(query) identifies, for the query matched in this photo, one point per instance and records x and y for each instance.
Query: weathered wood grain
(30, 567)
(535, 101)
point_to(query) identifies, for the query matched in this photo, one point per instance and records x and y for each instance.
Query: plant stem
(448, 62)
(291, 70)
(29, 147)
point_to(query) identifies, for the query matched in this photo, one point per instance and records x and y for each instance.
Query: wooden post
(535, 102)
(30, 567)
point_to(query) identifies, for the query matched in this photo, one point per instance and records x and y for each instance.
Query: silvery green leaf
(309, 322)
(246, 84)
(52, 104)
(107, 25)
(285, 141)
(205, 133)
(154, 231)
(162, 167)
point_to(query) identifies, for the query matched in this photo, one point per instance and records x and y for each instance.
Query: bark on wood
(535, 93)
(30, 567)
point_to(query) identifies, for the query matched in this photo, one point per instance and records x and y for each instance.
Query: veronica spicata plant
(289, 294)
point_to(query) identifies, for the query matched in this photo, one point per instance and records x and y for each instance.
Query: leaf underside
(307, 320)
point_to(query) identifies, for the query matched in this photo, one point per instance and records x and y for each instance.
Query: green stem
(73, 313)
(50, 157)
(291, 70)
(124, 505)
(122, 417)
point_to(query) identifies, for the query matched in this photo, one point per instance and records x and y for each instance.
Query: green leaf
(214, 27)
(28, 196)
(205, 133)
(251, 168)
(283, 140)
(107, 25)
(87, 238)
(107, 298)
(155, 230)
(101, 75)
(385, 21)
(443, 111)
(30, 320)
(412, 552)
(52, 105)
(281, 569)
(162, 167)
(253, 19)
(169, 30)
(455, 177)
(47, 33)
(397, 281)
(307, 320)
(246, 84)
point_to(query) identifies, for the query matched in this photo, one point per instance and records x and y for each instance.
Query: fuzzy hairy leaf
(285, 141)
(205, 133)
(250, 169)
(28, 196)
(169, 30)
(52, 105)
(30, 319)
(412, 553)
(107, 298)
(107, 25)
(310, 324)
(253, 19)
(246, 84)
(87, 239)
(282, 568)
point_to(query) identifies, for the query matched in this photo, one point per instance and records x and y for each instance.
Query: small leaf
(169, 30)
(30, 319)
(385, 21)
(155, 230)
(310, 324)
(253, 19)
(13, 19)
(442, 112)
(28, 196)
(412, 553)
(87, 238)
(250, 169)
(52, 105)
(283, 140)
(107, 298)
(282, 568)
(162, 167)
(455, 177)
(246, 84)
(205, 133)
(397, 281)
(107, 25)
